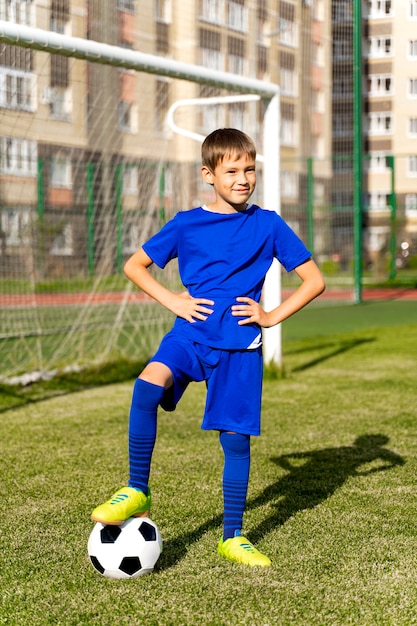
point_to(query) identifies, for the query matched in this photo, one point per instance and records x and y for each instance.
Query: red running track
(116, 297)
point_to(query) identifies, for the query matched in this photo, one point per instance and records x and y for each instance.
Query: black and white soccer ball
(125, 551)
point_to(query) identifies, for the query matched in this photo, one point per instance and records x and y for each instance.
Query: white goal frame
(97, 52)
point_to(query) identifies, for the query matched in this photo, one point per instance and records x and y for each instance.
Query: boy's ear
(207, 175)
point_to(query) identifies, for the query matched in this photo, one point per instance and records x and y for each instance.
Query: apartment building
(390, 63)
(83, 138)
(389, 71)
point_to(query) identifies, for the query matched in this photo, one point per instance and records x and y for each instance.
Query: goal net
(89, 169)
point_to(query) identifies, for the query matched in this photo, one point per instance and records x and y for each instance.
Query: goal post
(95, 52)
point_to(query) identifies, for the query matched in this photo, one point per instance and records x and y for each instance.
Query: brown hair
(225, 142)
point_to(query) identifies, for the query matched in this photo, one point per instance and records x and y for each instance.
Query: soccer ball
(125, 551)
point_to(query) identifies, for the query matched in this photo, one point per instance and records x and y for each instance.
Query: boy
(224, 251)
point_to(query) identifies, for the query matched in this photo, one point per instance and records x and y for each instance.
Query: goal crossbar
(98, 52)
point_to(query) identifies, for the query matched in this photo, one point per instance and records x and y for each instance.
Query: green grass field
(332, 498)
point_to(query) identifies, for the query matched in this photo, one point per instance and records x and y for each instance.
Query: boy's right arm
(183, 305)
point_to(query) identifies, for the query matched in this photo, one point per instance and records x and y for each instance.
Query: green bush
(329, 267)
(412, 262)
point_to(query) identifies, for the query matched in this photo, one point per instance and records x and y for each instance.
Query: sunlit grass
(331, 498)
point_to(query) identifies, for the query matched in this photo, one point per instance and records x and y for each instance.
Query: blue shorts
(233, 379)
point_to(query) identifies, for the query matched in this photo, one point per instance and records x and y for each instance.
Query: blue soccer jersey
(221, 257)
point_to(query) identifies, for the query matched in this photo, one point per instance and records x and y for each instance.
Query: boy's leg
(233, 545)
(236, 469)
(135, 499)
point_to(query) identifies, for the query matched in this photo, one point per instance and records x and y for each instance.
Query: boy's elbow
(127, 268)
(319, 285)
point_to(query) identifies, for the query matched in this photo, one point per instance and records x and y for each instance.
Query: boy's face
(233, 180)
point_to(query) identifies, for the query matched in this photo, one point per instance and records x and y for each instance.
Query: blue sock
(142, 431)
(236, 450)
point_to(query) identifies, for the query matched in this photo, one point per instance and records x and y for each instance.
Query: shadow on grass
(313, 476)
(16, 396)
(336, 349)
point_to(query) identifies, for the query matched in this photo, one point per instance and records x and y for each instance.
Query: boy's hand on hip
(252, 312)
(189, 308)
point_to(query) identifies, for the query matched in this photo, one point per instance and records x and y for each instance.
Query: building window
(237, 15)
(15, 224)
(236, 64)
(378, 201)
(130, 180)
(380, 84)
(60, 102)
(161, 104)
(17, 11)
(318, 147)
(288, 82)
(342, 11)
(379, 8)
(412, 126)
(380, 123)
(342, 49)
(288, 33)
(343, 85)
(289, 184)
(342, 126)
(412, 9)
(127, 6)
(411, 205)
(289, 132)
(212, 59)
(210, 50)
(61, 171)
(162, 37)
(60, 91)
(341, 199)
(412, 166)
(211, 11)
(63, 242)
(16, 89)
(18, 157)
(378, 163)
(317, 100)
(318, 9)
(60, 25)
(262, 62)
(412, 87)
(342, 164)
(318, 53)
(412, 48)
(237, 115)
(210, 116)
(124, 112)
(163, 11)
(236, 56)
(379, 47)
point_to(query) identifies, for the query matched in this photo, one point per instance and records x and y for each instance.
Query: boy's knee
(146, 395)
(158, 374)
(235, 444)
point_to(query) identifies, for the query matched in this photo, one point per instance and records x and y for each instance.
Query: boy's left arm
(312, 286)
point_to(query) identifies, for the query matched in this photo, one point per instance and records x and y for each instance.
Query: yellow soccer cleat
(125, 503)
(240, 550)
